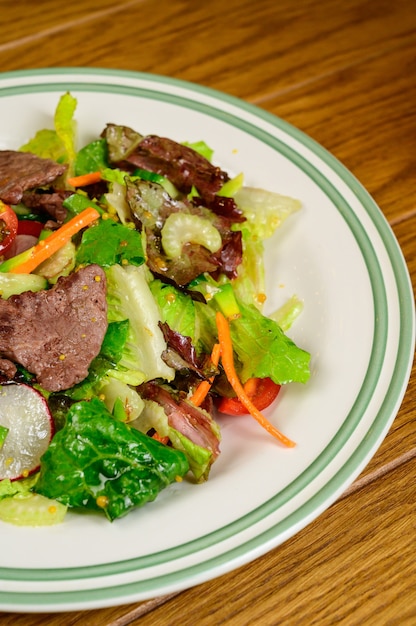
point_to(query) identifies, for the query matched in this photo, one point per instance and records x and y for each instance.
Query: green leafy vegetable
(262, 348)
(65, 125)
(91, 158)
(201, 147)
(57, 144)
(100, 463)
(121, 399)
(250, 283)
(264, 210)
(265, 351)
(287, 313)
(10, 488)
(107, 359)
(47, 145)
(177, 308)
(129, 297)
(230, 188)
(110, 242)
(31, 509)
(11, 284)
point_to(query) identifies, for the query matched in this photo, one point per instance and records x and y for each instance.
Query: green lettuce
(10, 488)
(57, 144)
(108, 359)
(102, 464)
(129, 297)
(250, 283)
(47, 145)
(65, 125)
(110, 242)
(263, 350)
(3, 434)
(91, 158)
(201, 147)
(177, 309)
(265, 211)
(116, 200)
(121, 399)
(286, 314)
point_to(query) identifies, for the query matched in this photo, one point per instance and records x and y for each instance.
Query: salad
(132, 291)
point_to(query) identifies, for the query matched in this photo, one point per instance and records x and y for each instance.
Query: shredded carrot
(84, 179)
(250, 386)
(227, 359)
(46, 247)
(157, 437)
(203, 388)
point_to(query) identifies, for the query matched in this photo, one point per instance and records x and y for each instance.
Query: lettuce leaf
(201, 147)
(91, 158)
(129, 297)
(57, 144)
(9, 488)
(264, 210)
(119, 397)
(102, 464)
(177, 308)
(108, 359)
(286, 314)
(250, 284)
(264, 351)
(47, 145)
(110, 242)
(65, 126)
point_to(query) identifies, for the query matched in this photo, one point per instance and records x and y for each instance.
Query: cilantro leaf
(109, 243)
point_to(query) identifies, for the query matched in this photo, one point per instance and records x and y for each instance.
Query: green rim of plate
(393, 394)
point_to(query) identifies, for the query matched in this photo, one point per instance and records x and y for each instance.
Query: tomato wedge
(8, 227)
(30, 227)
(261, 391)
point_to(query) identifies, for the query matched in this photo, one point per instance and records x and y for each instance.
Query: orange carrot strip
(250, 386)
(227, 359)
(203, 388)
(45, 248)
(157, 437)
(84, 179)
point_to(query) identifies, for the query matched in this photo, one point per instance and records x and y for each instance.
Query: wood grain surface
(345, 74)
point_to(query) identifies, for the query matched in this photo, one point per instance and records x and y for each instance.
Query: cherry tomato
(8, 227)
(261, 391)
(29, 227)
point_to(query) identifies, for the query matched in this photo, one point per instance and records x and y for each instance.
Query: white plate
(337, 254)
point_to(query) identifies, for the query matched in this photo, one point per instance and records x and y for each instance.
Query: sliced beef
(196, 424)
(49, 202)
(182, 165)
(7, 369)
(20, 171)
(56, 333)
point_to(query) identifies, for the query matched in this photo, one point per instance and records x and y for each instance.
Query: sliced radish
(25, 413)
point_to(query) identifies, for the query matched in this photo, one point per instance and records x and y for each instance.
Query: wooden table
(345, 73)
